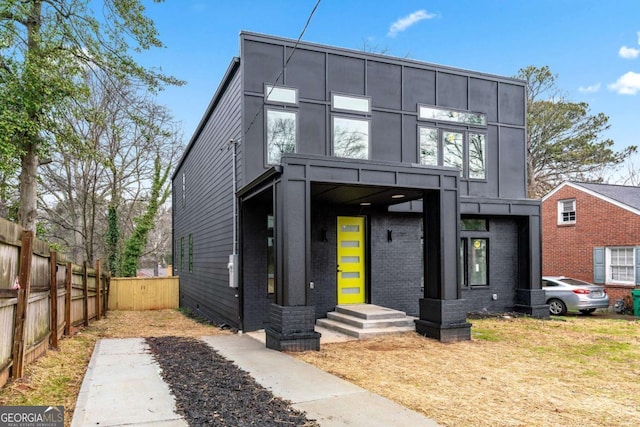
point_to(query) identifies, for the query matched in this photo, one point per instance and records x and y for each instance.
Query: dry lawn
(578, 371)
(55, 378)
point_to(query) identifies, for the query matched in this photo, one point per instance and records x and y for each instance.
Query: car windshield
(575, 282)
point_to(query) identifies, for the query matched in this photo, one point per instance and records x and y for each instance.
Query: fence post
(98, 283)
(85, 291)
(53, 267)
(68, 279)
(24, 277)
(107, 286)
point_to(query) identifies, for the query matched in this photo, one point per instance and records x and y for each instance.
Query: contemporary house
(592, 232)
(322, 176)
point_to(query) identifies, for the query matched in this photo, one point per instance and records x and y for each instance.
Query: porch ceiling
(359, 194)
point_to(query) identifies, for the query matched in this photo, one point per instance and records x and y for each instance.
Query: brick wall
(568, 249)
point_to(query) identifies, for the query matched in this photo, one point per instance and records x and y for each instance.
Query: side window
(182, 254)
(190, 253)
(428, 141)
(184, 189)
(477, 156)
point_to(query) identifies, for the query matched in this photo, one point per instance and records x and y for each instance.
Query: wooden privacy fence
(53, 297)
(143, 293)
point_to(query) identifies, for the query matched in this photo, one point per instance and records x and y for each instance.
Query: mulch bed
(211, 390)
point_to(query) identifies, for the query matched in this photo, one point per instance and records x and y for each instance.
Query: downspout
(233, 143)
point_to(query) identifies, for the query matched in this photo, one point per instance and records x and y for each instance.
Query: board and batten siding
(207, 210)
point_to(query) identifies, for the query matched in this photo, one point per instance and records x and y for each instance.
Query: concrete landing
(367, 320)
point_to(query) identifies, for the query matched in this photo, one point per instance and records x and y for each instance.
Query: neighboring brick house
(592, 232)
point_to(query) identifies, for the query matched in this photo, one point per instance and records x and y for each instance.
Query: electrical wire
(295, 46)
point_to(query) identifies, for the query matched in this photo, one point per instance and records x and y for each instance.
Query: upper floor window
(463, 150)
(442, 114)
(350, 103)
(280, 95)
(351, 131)
(567, 211)
(281, 134)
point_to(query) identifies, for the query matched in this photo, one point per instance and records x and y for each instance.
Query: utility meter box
(233, 270)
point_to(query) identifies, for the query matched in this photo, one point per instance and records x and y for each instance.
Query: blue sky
(593, 46)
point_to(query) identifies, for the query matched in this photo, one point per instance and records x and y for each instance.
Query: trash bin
(636, 302)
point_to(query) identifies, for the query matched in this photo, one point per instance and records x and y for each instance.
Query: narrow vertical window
(478, 262)
(281, 134)
(184, 189)
(428, 146)
(190, 253)
(271, 267)
(462, 270)
(477, 156)
(453, 150)
(182, 254)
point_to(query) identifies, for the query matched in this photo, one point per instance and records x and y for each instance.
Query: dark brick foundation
(291, 328)
(444, 320)
(532, 302)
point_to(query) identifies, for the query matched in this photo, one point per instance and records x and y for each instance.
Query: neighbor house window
(621, 265)
(351, 131)
(428, 146)
(281, 134)
(567, 211)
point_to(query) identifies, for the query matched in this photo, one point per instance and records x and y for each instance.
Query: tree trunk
(28, 212)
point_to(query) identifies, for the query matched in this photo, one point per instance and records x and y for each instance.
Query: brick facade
(567, 250)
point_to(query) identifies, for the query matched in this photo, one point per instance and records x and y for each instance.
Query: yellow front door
(350, 263)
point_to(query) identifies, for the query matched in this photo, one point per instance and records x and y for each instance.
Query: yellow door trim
(350, 260)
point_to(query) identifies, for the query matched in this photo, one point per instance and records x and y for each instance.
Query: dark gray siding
(396, 87)
(206, 213)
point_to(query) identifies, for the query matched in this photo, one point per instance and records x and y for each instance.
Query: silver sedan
(564, 293)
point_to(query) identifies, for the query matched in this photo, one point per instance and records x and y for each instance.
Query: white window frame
(350, 103)
(609, 265)
(280, 95)
(561, 211)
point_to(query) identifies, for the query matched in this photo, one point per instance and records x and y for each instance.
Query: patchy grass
(578, 371)
(55, 378)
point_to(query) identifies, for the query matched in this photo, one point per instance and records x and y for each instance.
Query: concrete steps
(367, 320)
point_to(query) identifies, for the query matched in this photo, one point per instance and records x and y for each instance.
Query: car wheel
(587, 310)
(557, 307)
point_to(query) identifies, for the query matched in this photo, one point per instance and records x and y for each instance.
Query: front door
(350, 263)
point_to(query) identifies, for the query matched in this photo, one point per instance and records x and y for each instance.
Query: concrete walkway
(123, 386)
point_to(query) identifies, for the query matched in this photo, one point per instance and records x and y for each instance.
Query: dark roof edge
(398, 60)
(226, 80)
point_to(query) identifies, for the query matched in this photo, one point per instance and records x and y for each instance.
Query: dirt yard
(573, 371)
